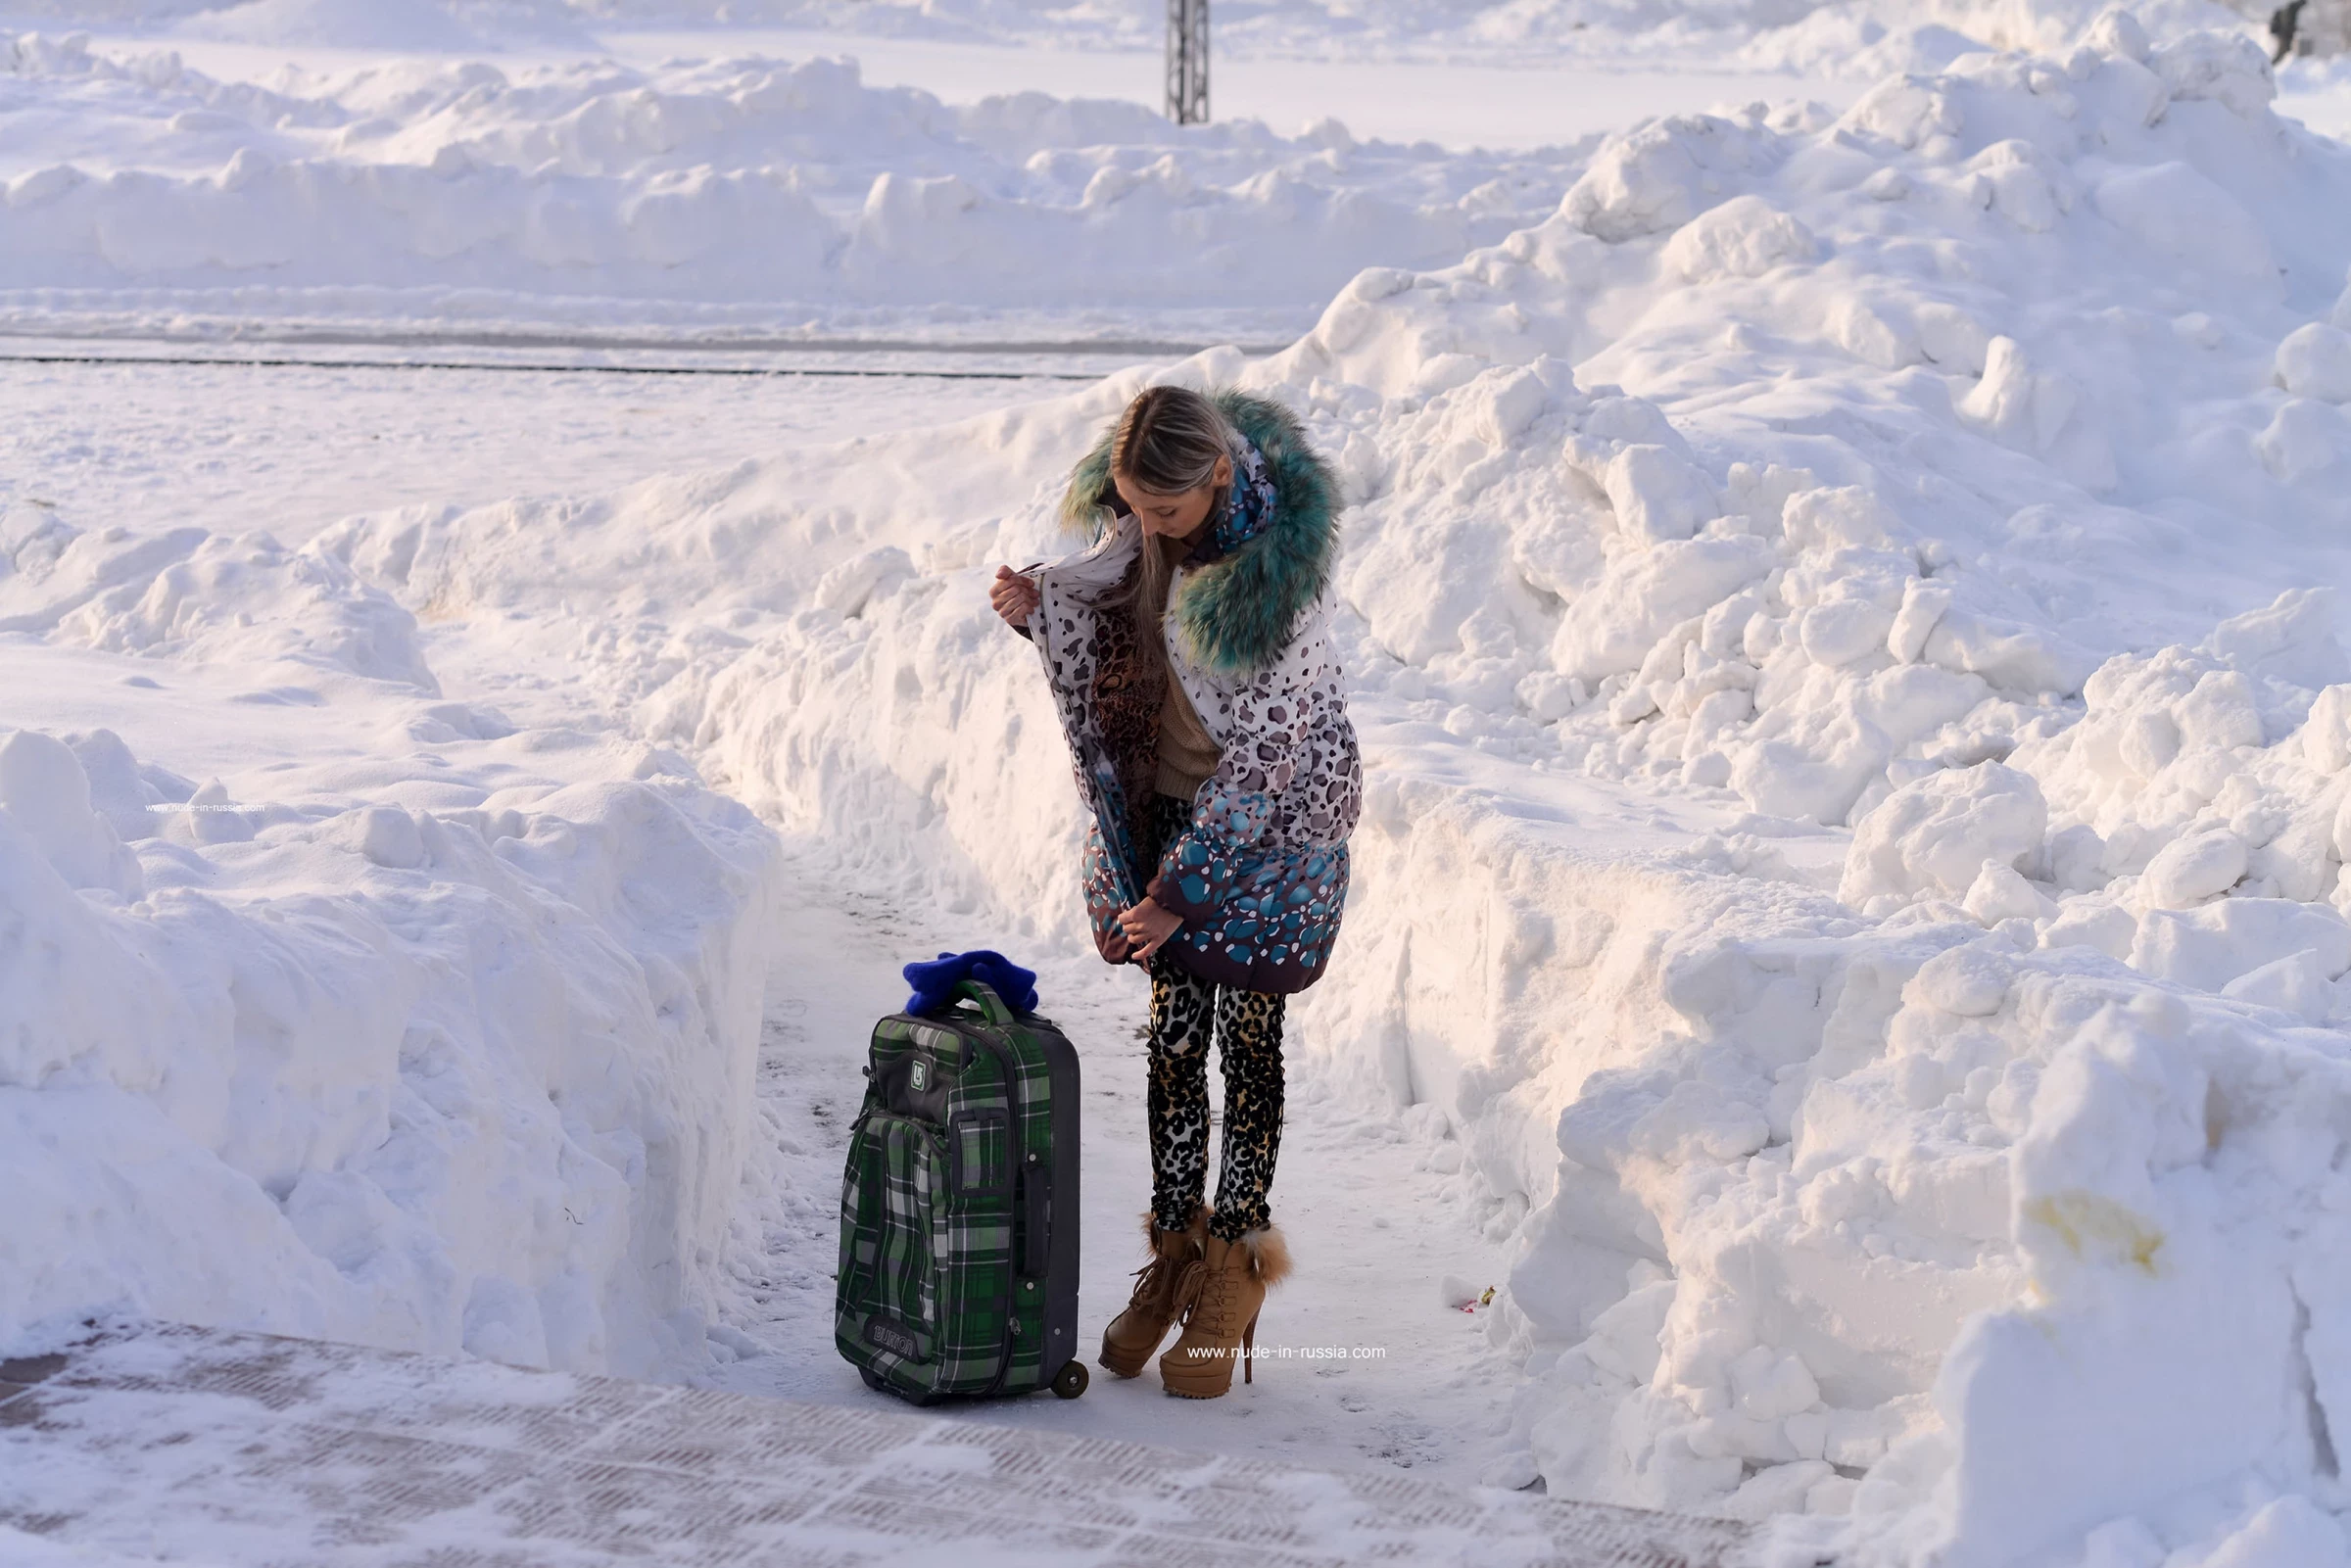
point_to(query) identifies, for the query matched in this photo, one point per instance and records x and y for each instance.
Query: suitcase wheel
(1070, 1381)
(872, 1380)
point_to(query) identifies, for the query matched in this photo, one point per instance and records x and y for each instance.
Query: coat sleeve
(1267, 728)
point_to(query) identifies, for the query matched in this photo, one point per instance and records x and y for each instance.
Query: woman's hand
(1148, 928)
(1013, 596)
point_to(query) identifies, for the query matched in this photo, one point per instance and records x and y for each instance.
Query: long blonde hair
(1167, 441)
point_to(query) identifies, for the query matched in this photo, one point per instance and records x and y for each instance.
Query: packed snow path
(1362, 1362)
(185, 1445)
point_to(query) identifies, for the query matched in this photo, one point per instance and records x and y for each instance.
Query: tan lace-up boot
(1127, 1344)
(1220, 1295)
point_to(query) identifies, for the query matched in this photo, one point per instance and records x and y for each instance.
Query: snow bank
(414, 26)
(386, 1032)
(1851, 851)
(729, 183)
(1943, 416)
(1858, 38)
(1792, 593)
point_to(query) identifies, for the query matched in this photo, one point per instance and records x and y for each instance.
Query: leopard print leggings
(1247, 1027)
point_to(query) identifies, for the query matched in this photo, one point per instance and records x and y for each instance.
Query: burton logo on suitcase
(959, 1207)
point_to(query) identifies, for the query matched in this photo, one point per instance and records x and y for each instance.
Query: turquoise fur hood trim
(1237, 613)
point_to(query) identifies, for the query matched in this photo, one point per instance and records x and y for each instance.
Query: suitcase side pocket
(888, 1294)
(860, 1217)
(860, 1243)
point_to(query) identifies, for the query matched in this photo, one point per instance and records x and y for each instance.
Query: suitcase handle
(1036, 1192)
(984, 996)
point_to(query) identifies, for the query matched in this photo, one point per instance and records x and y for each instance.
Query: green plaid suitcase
(959, 1207)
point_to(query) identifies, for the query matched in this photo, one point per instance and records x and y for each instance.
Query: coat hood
(1238, 612)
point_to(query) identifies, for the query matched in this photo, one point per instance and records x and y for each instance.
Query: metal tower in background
(1187, 62)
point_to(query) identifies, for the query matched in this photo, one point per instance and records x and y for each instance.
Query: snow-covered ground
(1842, 614)
(1521, 102)
(2317, 92)
(336, 1004)
(1366, 1364)
(165, 1443)
(158, 447)
(708, 193)
(1851, 37)
(235, 448)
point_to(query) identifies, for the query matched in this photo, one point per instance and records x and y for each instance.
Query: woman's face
(1176, 516)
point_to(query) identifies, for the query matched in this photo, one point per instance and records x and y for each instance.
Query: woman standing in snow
(1189, 653)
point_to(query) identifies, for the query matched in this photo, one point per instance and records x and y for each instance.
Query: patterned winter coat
(1261, 874)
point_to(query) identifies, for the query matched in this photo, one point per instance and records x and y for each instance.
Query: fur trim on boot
(1268, 1252)
(1221, 1297)
(1136, 1333)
